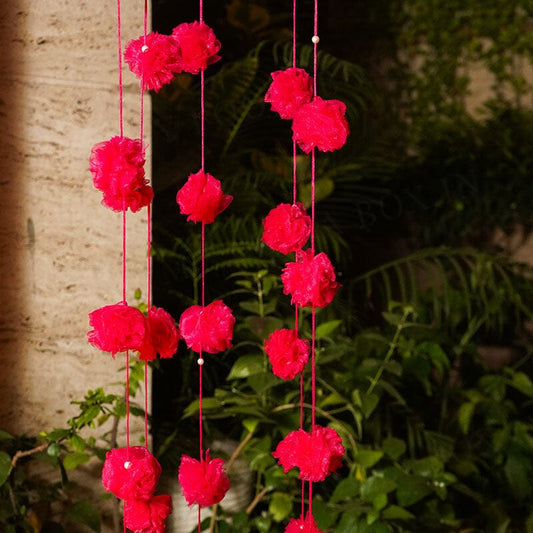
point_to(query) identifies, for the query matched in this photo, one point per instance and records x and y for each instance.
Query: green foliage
(36, 492)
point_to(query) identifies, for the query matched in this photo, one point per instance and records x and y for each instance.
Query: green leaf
(4, 435)
(522, 383)
(5, 467)
(250, 424)
(208, 403)
(77, 443)
(411, 489)
(368, 458)
(346, 489)
(465, 415)
(347, 524)
(369, 403)
(327, 328)
(247, 365)
(74, 460)
(86, 514)
(324, 187)
(396, 513)
(280, 506)
(392, 318)
(428, 467)
(380, 502)
(376, 485)
(54, 449)
(394, 447)
(323, 514)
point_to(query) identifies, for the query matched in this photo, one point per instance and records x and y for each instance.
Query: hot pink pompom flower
(201, 198)
(147, 516)
(286, 228)
(301, 525)
(289, 90)
(315, 454)
(154, 59)
(117, 328)
(117, 166)
(287, 353)
(321, 123)
(207, 329)
(310, 280)
(131, 473)
(203, 482)
(162, 335)
(198, 46)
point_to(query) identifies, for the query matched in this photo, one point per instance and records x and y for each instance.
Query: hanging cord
(200, 358)
(148, 231)
(315, 41)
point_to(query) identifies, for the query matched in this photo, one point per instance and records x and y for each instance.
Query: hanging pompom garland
(316, 454)
(286, 228)
(287, 353)
(290, 89)
(117, 166)
(162, 335)
(131, 473)
(302, 525)
(207, 329)
(154, 59)
(198, 46)
(310, 280)
(147, 516)
(203, 482)
(201, 198)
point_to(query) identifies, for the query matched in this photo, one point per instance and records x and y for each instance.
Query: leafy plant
(36, 489)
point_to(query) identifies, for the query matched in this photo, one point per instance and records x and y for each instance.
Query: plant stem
(392, 347)
(20, 454)
(256, 500)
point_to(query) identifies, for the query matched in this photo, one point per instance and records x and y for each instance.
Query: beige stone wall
(60, 250)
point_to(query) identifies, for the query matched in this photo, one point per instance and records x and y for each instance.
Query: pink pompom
(316, 455)
(153, 60)
(198, 46)
(321, 123)
(301, 525)
(310, 280)
(287, 353)
(201, 198)
(203, 482)
(207, 329)
(162, 335)
(147, 516)
(131, 473)
(117, 328)
(289, 90)
(117, 166)
(286, 228)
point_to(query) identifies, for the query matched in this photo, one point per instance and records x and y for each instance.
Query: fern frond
(460, 281)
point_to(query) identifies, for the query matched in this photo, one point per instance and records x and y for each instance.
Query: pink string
(294, 33)
(202, 106)
(124, 251)
(120, 84)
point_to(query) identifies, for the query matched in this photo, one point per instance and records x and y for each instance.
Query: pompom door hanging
(317, 124)
(117, 167)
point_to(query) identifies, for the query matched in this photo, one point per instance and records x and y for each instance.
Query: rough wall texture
(60, 250)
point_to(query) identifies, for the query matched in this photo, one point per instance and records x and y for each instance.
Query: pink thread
(127, 399)
(120, 84)
(124, 252)
(146, 404)
(202, 106)
(294, 33)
